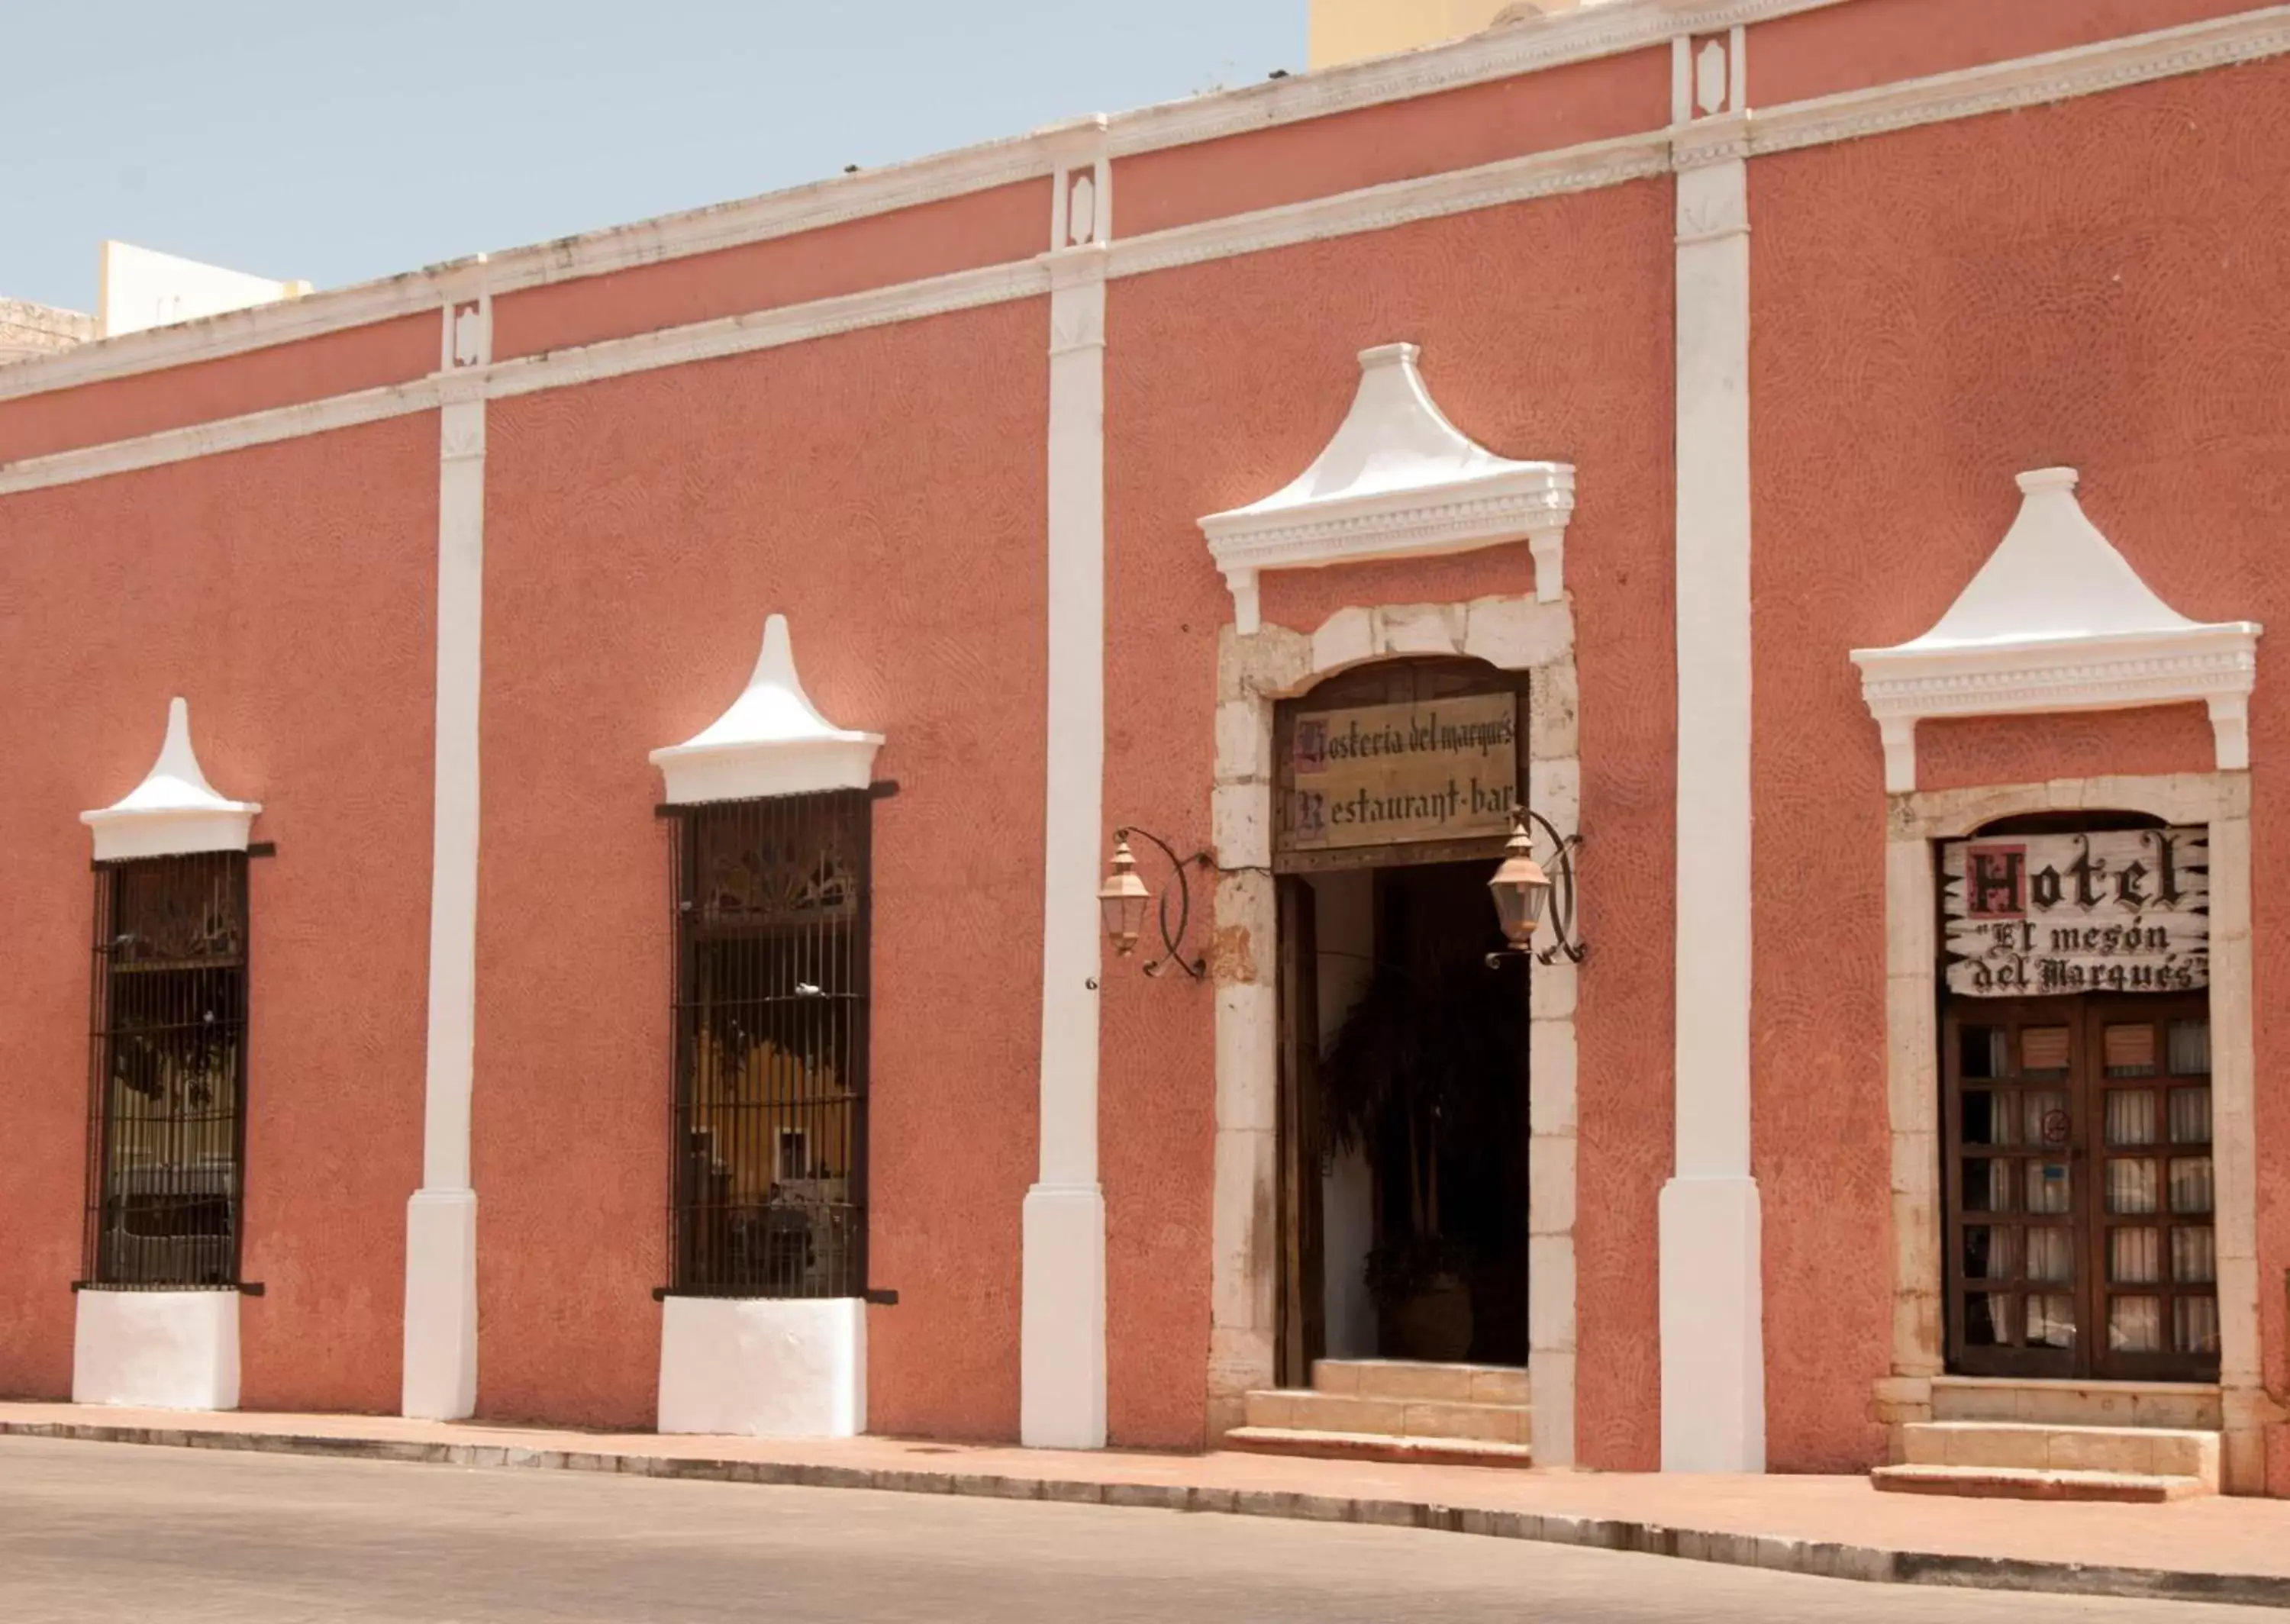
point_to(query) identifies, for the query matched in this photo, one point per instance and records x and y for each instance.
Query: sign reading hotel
(1384, 775)
(2122, 910)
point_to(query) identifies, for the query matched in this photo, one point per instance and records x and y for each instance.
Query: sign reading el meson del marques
(1381, 775)
(2119, 910)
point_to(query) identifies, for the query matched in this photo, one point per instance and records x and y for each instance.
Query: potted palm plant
(1416, 1075)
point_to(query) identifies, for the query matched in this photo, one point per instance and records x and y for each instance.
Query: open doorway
(1403, 1072)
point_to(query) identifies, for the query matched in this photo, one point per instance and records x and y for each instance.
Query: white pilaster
(1061, 1341)
(1712, 1336)
(440, 1373)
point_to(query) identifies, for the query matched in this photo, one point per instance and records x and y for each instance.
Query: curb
(1816, 1558)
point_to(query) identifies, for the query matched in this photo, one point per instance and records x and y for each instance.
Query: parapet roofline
(1525, 46)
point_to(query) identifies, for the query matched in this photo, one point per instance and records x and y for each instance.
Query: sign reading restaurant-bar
(1385, 774)
(2117, 910)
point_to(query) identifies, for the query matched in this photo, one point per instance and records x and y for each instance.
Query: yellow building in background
(1345, 31)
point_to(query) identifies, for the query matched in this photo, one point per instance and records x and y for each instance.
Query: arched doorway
(1403, 1098)
(2077, 1173)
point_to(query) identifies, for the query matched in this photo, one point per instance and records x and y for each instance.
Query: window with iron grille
(167, 1097)
(771, 1047)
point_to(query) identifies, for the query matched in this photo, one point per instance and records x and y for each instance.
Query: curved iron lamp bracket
(1561, 911)
(1172, 934)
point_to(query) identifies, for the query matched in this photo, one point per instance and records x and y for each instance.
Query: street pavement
(93, 1532)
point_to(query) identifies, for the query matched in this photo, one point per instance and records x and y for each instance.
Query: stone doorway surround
(1914, 820)
(1255, 668)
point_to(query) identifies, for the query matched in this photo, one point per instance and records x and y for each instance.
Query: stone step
(2077, 1403)
(1313, 1410)
(1469, 1384)
(2020, 1483)
(1376, 1446)
(2157, 1451)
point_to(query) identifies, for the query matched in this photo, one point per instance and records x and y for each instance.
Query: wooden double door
(2080, 1235)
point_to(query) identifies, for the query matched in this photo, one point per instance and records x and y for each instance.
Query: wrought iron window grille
(167, 1084)
(772, 913)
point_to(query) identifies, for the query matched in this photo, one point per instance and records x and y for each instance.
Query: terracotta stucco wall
(884, 490)
(256, 380)
(1396, 140)
(287, 593)
(2093, 283)
(1545, 331)
(1868, 43)
(995, 227)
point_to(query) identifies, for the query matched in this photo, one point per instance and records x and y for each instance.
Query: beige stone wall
(27, 330)
(1345, 31)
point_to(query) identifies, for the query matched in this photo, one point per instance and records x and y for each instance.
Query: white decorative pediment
(1398, 481)
(174, 810)
(2056, 619)
(771, 741)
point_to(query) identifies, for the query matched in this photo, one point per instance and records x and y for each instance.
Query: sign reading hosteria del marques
(2121, 910)
(1381, 774)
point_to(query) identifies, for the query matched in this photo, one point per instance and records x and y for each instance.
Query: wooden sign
(1429, 769)
(2119, 910)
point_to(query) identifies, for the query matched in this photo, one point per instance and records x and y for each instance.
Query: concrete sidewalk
(2206, 1549)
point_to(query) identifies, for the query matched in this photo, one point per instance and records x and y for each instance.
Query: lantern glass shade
(1520, 889)
(1122, 898)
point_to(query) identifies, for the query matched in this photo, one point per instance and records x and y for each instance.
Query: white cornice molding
(1493, 54)
(771, 741)
(1398, 480)
(2055, 77)
(174, 811)
(1497, 53)
(806, 208)
(1998, 87)
(227, 434)
(2057, 620)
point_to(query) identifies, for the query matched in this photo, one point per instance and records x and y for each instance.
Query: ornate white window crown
(2057, 619)
(1397, 481)
(771, 741)
(174, 811)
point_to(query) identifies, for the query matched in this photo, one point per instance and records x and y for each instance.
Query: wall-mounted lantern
(1522, 892)
(1124, 896)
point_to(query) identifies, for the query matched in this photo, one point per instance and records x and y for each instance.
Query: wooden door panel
(2079, 1184)
(2154, 1244)
(2011, 1264)
(1302, 1334)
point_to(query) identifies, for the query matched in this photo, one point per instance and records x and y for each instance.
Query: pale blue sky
(339, 140)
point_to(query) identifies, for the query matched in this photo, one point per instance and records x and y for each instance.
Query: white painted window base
(764, 1367)
(158, 1350)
